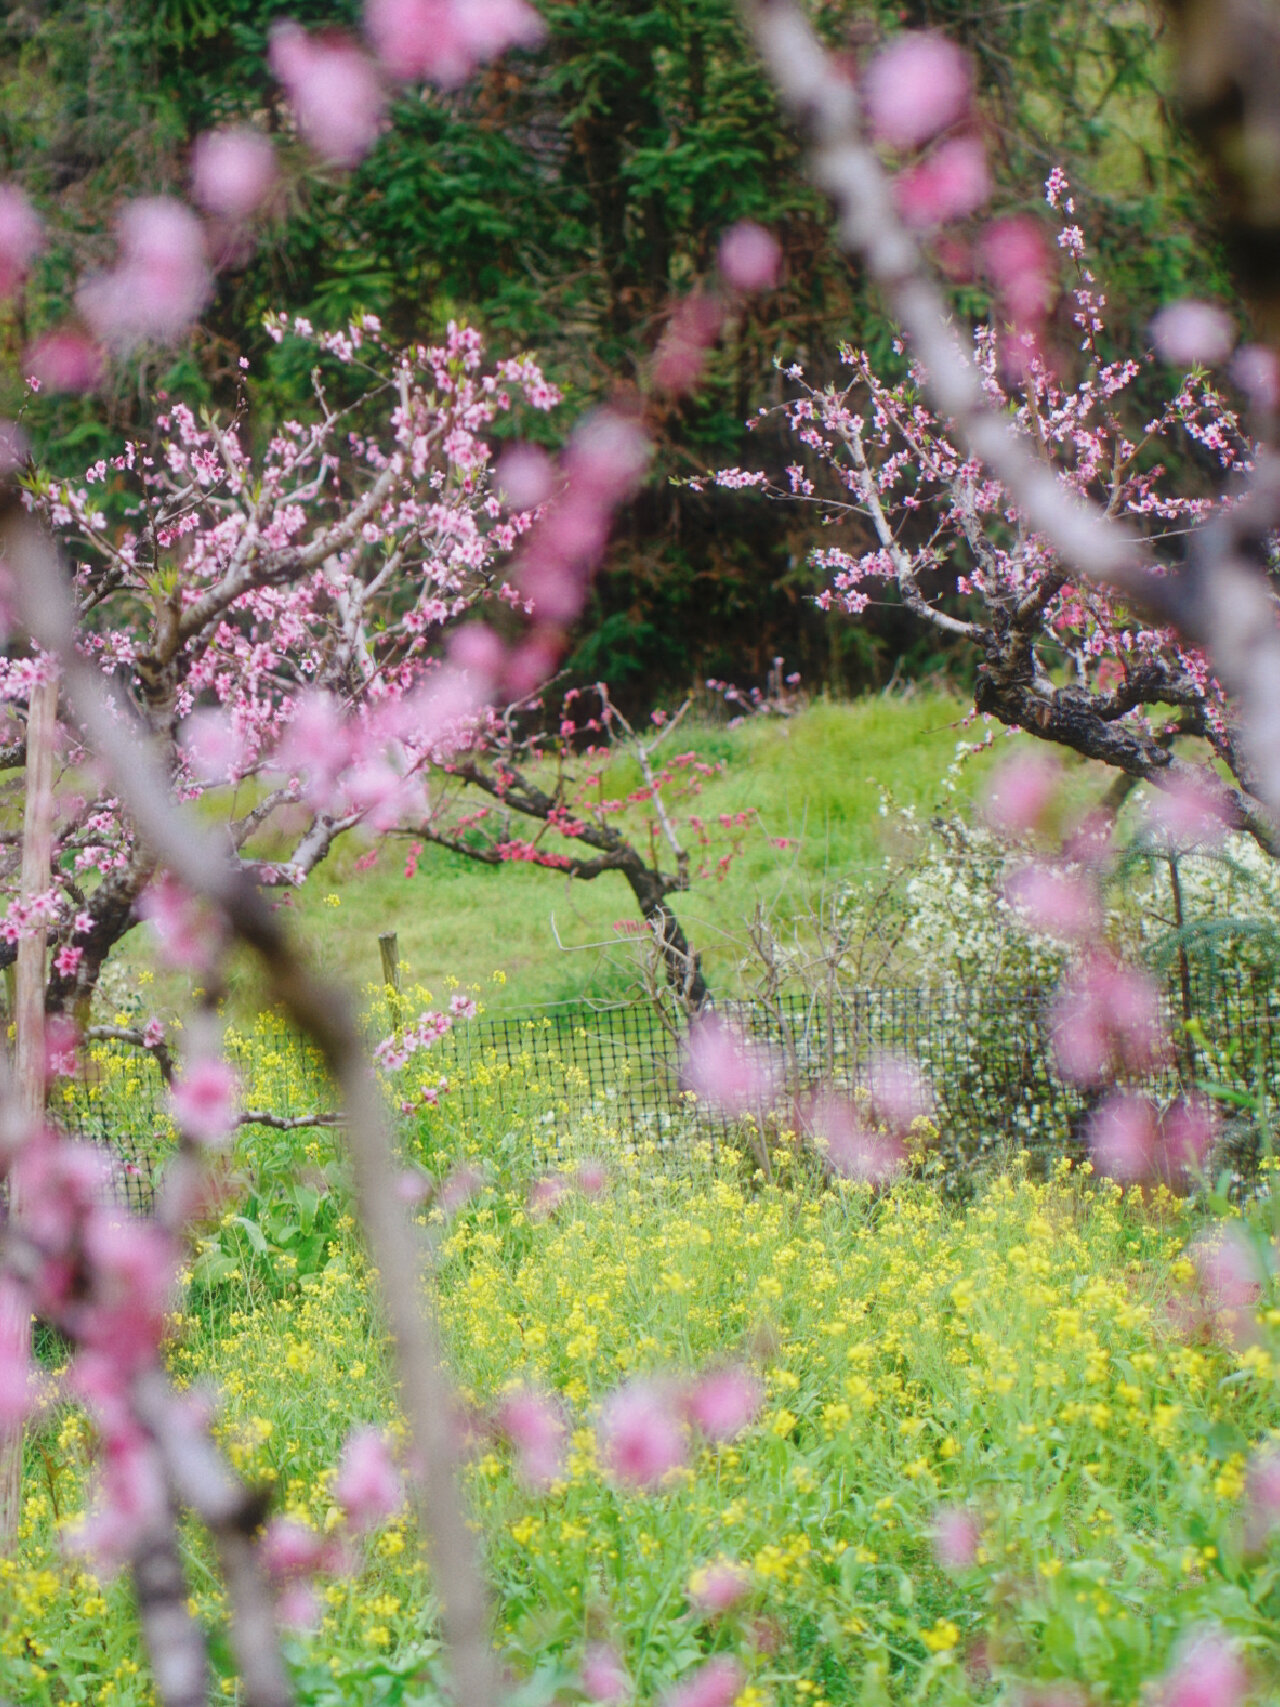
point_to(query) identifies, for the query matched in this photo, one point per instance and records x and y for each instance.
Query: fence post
(389, 949)
(29, 1064)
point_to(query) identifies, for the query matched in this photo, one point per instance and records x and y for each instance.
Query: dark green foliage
(563, 201)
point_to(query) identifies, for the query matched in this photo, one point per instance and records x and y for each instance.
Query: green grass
(817, 777)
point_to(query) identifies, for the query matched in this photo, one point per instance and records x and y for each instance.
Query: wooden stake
(29, 1065)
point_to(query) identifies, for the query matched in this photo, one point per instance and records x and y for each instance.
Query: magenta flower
(367, 1485)
(724, 1402)
(956, 1534)
(1106, 1019)
(640, 1435)
(20, 238)
(604, 1677)
(232, 171)
(534, 1425)
(750, 258)
(333, 88)
(853, 1148)
(714, 1684)
(718, 1588)
(1206, 1672)
(161, 280)
(950, 184)
(918, 85)
(1057, 902)
(726, 1070)
(1193, 334)
(1022, 793)
(203, 1100)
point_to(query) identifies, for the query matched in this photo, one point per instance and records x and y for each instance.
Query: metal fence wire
(984, 1053)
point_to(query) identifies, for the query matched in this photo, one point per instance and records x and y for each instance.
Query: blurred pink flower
(724, 1402)
(534, 1425)
(950, 183)
(20, 238)
(899, 1095)
(1206, 1672)
(1230, 1283)
(714, 1684)
(1191, 333)
(367, 1485)
(290, 1549)
(1020, 263)
(65, 360)
(203, 1100)
(526, 476)
(232, 171)
(1256, 370)
(333, 88)
(443, 41)
(853, 1149)
(161, 280)
(1262, 1499)
(604, 1677)
(1021, 792)
(1188, 1130)
(726, 1070)
(1057, 902)
(719, 1587)
(1122, 1137)
(918, 85)
(692, 329)
(749, 257)
(640, 1434)
(956, 1534)
(1190, 813)
(1105, 1018)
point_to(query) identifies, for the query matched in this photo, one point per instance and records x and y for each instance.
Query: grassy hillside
(816, 779)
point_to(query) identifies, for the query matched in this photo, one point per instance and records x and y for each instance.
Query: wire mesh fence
(985, 1053)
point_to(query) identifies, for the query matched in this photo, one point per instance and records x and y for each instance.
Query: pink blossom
(535, 1426)
(750, 257)
(1191, 333)
(1022, 792)
(131, 1501)
(718, 1588)
(203, 1100)
(525, 475)
(725, 1070)
(212, 746)
(854, 1149)
(918, 85)
(950, 184)
(444, 41)
(724, 1402)
(290, 1549)
(1256, 371)
(1019, 262)
(604, 1677)
(1105, 1018)
(1122, 1137)
(714, 1684)
(640, 1435)
(20, 238)
(956, 1536)
(1262, 1499)
(1057, 902)
(546, 1195)
(1188, 1130)
(61, 1039)
(161, 280)
(232, 171)
(1206, 1672)
(333, 89)
(65, 360)
(692, 329)
(899, 1096)
(1230, 1283)
(188, 933)
(1190, 812)
(367, 1485)
(591, 1178)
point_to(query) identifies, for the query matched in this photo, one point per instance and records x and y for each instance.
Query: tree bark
(37, 832)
